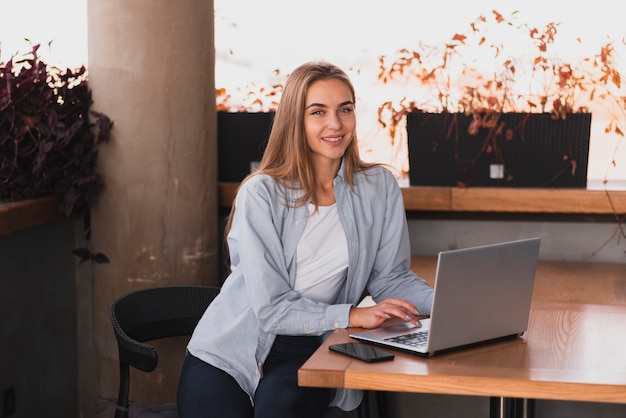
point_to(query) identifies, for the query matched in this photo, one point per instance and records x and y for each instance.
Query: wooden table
(574, 349)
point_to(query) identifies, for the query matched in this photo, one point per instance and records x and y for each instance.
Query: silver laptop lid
(482, 293)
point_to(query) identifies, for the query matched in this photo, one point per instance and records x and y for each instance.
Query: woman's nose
(333, 122)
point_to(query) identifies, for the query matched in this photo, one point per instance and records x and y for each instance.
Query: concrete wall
(595, 239)
(151, 66)
(38, 323)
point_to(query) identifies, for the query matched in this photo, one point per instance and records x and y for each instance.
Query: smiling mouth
(332, 139)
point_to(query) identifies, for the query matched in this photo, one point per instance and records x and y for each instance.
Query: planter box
(538, 151)
(241, 141)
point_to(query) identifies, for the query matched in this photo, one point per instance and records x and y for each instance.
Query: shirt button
(285, 254)
(336, 325)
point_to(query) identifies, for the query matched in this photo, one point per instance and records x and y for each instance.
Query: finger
(406, 307)
(382, 314)
(400, 313)
(404, 304)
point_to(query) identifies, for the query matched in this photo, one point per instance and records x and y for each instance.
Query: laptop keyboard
(414, 339)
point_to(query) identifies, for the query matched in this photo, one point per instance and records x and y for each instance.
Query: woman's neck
(324, 182)
(325, 194)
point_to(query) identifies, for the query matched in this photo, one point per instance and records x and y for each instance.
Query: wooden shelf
(487, 199)
(27, 213)
(33, 212)
(566, 201)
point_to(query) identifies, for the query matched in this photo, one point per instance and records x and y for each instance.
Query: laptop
(481, 294)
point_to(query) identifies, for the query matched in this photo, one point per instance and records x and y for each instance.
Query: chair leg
(511, 408)
(381, 404)
(121, 408)
(364, 408)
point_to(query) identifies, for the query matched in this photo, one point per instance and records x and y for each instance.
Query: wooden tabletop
(573, 350)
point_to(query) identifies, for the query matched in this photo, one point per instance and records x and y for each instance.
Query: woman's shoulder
(265, 187)
(377, 175)
(258, 180)
(257, 184)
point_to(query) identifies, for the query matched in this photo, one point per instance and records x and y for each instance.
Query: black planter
(241, 141)
(532, 150)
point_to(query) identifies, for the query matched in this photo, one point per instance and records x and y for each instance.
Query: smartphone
(362, 352)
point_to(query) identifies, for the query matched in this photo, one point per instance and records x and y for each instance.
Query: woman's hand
(374, 316)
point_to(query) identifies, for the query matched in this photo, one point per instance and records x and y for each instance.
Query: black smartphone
(362, 352)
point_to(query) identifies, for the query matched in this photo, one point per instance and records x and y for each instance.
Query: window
(281, 34)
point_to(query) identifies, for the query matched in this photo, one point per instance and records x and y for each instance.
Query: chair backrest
(151, 314)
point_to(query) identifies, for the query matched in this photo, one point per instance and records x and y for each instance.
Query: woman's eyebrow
(347, 102)
(316, 105)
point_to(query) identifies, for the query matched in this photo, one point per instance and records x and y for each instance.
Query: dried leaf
(497, 16)
(460, 38)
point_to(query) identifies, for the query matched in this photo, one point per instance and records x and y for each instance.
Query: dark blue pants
(206, 392)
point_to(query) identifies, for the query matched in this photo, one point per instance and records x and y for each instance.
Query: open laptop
(482, 294)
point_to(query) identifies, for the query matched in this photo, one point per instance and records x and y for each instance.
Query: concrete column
(151, 69)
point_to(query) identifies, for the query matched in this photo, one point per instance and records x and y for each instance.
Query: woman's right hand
(376, 315)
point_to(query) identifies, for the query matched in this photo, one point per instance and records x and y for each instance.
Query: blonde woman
(308, 234)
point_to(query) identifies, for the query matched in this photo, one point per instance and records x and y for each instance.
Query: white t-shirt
(322, 256)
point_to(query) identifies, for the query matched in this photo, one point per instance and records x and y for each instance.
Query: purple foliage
(48, 144)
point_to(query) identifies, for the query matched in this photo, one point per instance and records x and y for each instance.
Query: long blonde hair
(287, 157)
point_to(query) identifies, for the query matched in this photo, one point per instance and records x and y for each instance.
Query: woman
(309, 232)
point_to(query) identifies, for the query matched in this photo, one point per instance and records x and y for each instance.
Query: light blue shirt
(257, 301)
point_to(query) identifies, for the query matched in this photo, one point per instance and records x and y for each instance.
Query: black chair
(151, 314)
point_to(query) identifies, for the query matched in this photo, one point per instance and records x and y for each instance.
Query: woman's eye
(346, 110)
(317, 112)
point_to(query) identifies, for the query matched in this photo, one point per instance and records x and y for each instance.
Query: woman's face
(329, 119)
